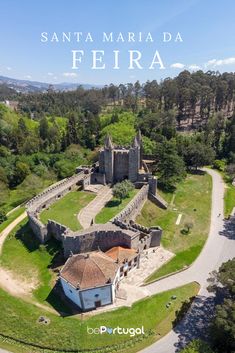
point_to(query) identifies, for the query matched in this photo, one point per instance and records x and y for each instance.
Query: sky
(206, 27)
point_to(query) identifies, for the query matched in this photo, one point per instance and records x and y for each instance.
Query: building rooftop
(121, 254)
(89, 270)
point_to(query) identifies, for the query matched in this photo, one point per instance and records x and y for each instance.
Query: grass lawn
(192, 199)
(23, 255)
(113, 207)
(70, 333)
(66, 209)
(229, 199)
(11, 218)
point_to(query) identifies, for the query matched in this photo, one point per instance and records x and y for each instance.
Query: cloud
(28, 76)
(177, 66)
(194, 67)
(69, 74)
(9, 68)
(50, 74)
(220, 62)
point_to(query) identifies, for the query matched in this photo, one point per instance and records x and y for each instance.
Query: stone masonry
(115, 164)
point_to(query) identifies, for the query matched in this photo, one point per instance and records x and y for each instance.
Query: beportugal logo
(131, 331)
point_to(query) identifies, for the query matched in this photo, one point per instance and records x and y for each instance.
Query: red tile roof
(89, 270)
(121, 254)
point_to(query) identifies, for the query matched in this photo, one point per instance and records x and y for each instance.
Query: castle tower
(139, 140)
(108, 159)
(134, 160)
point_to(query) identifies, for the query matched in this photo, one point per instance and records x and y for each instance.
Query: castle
(115, 164)
(120, 163)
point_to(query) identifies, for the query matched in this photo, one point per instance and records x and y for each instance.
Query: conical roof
(135, 142)
(108, 142)
(139, 137)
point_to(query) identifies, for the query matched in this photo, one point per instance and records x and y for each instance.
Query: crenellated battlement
(121, 230)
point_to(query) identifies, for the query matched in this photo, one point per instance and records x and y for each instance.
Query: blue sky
(207, 28)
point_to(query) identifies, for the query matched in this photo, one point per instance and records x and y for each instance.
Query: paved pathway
(219, 248)
(88, 213)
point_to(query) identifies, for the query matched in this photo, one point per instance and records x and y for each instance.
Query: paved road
(219, 248)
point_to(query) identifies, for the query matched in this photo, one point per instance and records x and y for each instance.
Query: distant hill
(27, 86)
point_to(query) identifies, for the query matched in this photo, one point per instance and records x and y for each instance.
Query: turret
(134, 160)
(135, 143)
(108, 143)
(139, 137)
(108, 160)
(139, 140)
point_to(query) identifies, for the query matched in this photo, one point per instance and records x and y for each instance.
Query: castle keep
(120, 163)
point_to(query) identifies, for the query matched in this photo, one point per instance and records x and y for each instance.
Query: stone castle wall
(54, 192)
(57, 230)
(39, 229)
(121, 165)
(97, 237)
(45, 199)
(120, 231)
(134, 206)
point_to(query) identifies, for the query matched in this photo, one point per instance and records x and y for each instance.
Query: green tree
(222, 283)
(29, 188)
(122, 190)
(43, 128)
(21, 171)
(72, 129)
(171, 167)
(3, 216)
(64, 168)
(197, 346)
(198, 154)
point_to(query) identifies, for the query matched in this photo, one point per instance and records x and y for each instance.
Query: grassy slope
(25, 257)
(229, 199)
(11, 218)
(193, 193)
(113, 207)
(20, 321)
(66, 209)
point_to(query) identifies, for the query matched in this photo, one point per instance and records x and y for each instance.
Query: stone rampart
(45, 199)
(54, 192)
(121, 231)
(158, 200)
(134, 206)
(103, 236)
(39, 229)
(57, 230)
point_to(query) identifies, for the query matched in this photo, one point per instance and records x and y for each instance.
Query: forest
(186, 122)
